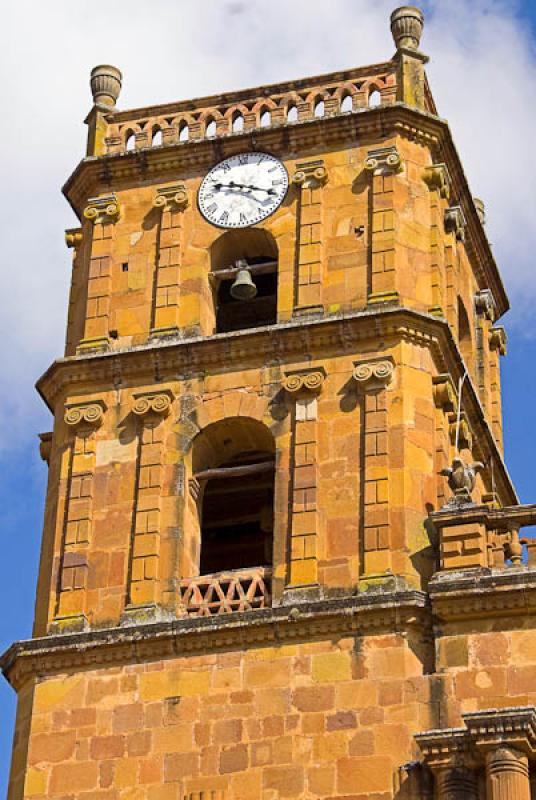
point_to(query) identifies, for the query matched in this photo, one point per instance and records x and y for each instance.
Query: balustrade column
(507, 773)
(172, 201)
(304, 387)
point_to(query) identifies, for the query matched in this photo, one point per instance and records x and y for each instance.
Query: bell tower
(281, 554)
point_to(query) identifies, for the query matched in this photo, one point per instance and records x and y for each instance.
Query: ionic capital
(310, 174)
(158, 403)
(171, 198)
(102, 209)
(455, 222)
(498, 340)
(310, 381)
(445, 395)
(87, 414)
(73, 237)
(373, 374)
(437, 178)
(383, 160)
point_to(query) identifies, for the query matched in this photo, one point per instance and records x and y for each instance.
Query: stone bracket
(437, 178)
(498, 340)
(455, 222)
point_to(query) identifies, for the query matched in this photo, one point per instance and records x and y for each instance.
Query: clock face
(243, 190)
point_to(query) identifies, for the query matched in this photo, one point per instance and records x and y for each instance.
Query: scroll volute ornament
(170, 198)
(307, 381)
(102, 209)
(373, 374)
(310, 174)
(383, 159)
(156, 403)
(85, 414)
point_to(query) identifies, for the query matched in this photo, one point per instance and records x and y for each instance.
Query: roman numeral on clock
(243, 158)
(212, 208)
(243, 219)
(224, 218)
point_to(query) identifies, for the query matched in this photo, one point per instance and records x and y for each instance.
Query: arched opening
(320, 108)
(465, 338)
(292, 113)
(266, 118)
(238, 122)
(157, 138)
(347, 104)
(374, 98)
(184, 132)
(256, 250)
(210, 130)
(130, 141)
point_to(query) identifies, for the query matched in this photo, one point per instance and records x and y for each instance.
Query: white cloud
(483, 67)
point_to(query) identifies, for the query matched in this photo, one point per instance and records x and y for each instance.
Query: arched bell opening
(244, 280)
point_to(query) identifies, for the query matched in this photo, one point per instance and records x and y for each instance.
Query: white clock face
(243, 190)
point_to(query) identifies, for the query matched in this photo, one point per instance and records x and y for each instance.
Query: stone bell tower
(281, 553)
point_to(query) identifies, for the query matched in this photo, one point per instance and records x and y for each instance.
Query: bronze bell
(243, 287)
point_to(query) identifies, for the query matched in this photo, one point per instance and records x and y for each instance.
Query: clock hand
(233, 185)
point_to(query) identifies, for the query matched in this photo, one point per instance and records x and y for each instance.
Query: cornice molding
(400, 610)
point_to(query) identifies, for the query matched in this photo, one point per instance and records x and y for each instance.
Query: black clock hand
(234, 185)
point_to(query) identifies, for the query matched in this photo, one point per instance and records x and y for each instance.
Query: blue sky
(483, 59)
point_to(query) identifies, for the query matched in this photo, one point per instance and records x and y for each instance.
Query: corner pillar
(304, 387)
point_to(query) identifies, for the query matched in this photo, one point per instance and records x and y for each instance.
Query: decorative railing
(226, 592)
(326, 96)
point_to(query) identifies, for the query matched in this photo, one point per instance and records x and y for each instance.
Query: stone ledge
(474, 593)
(371, 611)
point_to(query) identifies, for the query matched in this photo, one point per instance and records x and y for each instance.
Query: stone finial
(105, 84)
(407, 24)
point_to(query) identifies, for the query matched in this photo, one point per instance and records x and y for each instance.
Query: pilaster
(309, 179)
(437, 178)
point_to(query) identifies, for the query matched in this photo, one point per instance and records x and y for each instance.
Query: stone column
(309, 179)
(372, 378)
(437, 179)
(456, 783)
(150, 408)
(304, 387)
(71, 606)
(103, 212)
(73, 240)
(497, 347)
(383, 164)
(507, 774)
(172, 201)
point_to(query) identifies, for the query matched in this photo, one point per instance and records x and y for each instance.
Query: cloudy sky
(483, 74)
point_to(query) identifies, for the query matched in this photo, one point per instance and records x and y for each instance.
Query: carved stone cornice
(498, 340)
(304, 381)
(157, 403)
(513, 727)
(373, 374)
(437, 178)
(73, 237)
(310, 174)
(102, 209)
(455, 222)
(90, 414)
(445, 747)
(383, 160)
(170, 198)
(405, 609)
(445, 394)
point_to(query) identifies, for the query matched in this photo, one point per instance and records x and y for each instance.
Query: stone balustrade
(226, 592)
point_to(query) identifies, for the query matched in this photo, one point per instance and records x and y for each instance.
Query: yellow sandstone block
(332, 667)
(158, 685)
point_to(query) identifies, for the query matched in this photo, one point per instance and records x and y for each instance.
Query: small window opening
(184, 132)
(157, 138)
(347, 104)
(266, 119)
(238, 123)
(320, 108)
(130, 141)
(292, 114)
(375, 98)
(124, 266)
(237, 514)
(210, 130)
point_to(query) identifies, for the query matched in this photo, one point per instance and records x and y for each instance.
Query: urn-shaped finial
(105, 84)
(407, 23)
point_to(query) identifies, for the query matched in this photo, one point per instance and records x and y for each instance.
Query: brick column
(103, 213)
(150, 408)
(456, 783)
(437, 179)
(171, 200)
(303, 387)
(383, 164)
(373, 378)
(497, 346)
(310, 177)
(83, 419)
(507, 775)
